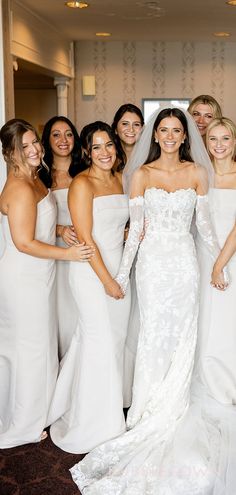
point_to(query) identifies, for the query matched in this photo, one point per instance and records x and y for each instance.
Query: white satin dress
(87, 408)
(216, 349)
(28, 334)
(169, 448)
(66, 307)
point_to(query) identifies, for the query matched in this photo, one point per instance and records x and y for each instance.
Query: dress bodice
(110, 214)
(223, 211)
(45, 231)
(63, 215)
(169, 211)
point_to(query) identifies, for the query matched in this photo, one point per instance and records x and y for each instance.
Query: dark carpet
(37, 469)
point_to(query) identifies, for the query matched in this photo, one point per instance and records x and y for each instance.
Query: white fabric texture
(216, 349)
(170, 448)
(87, 407)
(66, 307)
(28, 334)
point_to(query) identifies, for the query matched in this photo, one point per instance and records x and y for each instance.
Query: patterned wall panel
(129, 72)
(100, 71)
(188, 69)
(218, 70)
(158, 69)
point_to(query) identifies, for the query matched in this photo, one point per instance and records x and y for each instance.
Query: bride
(162, 453)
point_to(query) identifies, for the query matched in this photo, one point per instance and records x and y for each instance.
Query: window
(149, 105)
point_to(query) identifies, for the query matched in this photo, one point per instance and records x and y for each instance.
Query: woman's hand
(80, 252)
(113, 289)
(67, 233)
(218, 279)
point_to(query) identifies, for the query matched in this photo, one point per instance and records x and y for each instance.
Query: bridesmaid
(87, 408)
(127, 124)
(203, 109)
(28, 328)
(217, 319)
(62, 148)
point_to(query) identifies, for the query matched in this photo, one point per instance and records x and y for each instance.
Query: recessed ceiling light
(222, 34)
(103, 34)
(231, 2)
(77, 5)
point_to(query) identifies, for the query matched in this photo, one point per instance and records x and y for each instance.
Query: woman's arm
(136, 208)
(22, 216)
(80, 200)
(226, 254)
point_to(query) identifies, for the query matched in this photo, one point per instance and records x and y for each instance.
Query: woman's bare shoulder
(17, 191)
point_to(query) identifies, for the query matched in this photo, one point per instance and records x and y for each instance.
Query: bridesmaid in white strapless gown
(89, 387)
(66, 307)
(216, 349)
(88, 401)
(62, 147)
(29, 362)
(28, 324)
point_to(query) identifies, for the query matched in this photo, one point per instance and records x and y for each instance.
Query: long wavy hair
(127, 107)
(11, 135)
(184, 150)
(86, 137)
(76, 153)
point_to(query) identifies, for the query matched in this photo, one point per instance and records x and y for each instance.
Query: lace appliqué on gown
(159, 454)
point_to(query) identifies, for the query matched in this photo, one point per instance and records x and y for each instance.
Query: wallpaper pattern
(130, 71)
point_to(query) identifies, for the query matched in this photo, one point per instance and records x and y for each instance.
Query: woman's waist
(15, 257)
(162, 231)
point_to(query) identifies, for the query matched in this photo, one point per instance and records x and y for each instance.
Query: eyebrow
(134, 121)
(174, 128)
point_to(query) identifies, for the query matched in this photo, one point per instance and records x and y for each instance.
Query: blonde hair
(206, 100)
(225, 122)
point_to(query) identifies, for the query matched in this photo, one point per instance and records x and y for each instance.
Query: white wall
(36, 41)
(130, 71)
(2, 98)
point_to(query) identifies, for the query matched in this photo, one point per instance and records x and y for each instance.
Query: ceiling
(165, 20)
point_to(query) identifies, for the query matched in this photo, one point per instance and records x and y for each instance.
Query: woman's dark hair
(11, 135)
(184, 150)
(48, 156)
(127, 107)
(86, 137)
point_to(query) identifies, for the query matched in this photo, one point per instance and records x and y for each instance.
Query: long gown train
(171, 447)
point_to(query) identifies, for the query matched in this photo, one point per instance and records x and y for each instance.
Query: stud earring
(156, 140)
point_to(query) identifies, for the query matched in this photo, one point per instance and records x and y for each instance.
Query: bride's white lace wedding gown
(162, 453)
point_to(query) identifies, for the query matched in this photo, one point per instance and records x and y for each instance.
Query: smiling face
(129, 128)
(203, 115)
(61, 139)
(170, 134)
(31, 152)
(221, 142)
(103, 151)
